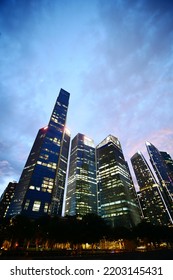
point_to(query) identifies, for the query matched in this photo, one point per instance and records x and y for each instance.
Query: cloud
(5, 168)
(6, 173)
(130, 79)
(162, 140)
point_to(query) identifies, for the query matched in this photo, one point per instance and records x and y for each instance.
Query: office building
(161, 171)
(81, 197)
(58, 192)
(168, 161)
(6, 199)
(41, 186)
(117, 198)
(151, 196)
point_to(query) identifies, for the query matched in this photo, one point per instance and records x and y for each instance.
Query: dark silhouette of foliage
(90, 229)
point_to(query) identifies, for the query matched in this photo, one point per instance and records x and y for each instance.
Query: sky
(115, 57)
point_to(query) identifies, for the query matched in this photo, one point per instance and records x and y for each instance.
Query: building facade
(117, 198)
(151, 196)
(168, 161)
(162, 174)
(6, 199)
(41, 186)
(58, 192)
(81, 197)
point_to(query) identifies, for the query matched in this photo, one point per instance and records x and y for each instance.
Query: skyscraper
(6, 198)
(161, 171)
(168, 161)
(81, 197)
(58, 192)
(41, 185)
(117, 198)
(151, 195)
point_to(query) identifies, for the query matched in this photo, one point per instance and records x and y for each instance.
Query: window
(46, 206)
(26, 204)
(36, 206)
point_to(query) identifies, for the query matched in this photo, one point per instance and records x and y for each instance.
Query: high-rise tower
(117, 198)
(168, 161)
(81, 198)
(161, 170)
(151, 195)
(41, 186)
(6, 198)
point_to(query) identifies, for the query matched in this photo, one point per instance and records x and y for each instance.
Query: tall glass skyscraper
(6, 199)
(168, 161)
(117, 198)
(151, 195)
(41, 186)
(58, 192)
(161, 170)
(81, 197)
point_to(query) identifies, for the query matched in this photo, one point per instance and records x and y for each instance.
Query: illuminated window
(36, 206)
(26, 204)
(46, 207)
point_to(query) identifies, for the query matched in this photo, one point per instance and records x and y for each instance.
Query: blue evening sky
(115, 57)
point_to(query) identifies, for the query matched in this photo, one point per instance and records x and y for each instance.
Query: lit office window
(46, 206)
(36, 206)
(26, 204)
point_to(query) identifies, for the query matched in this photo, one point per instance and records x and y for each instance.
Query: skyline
(114, 57)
